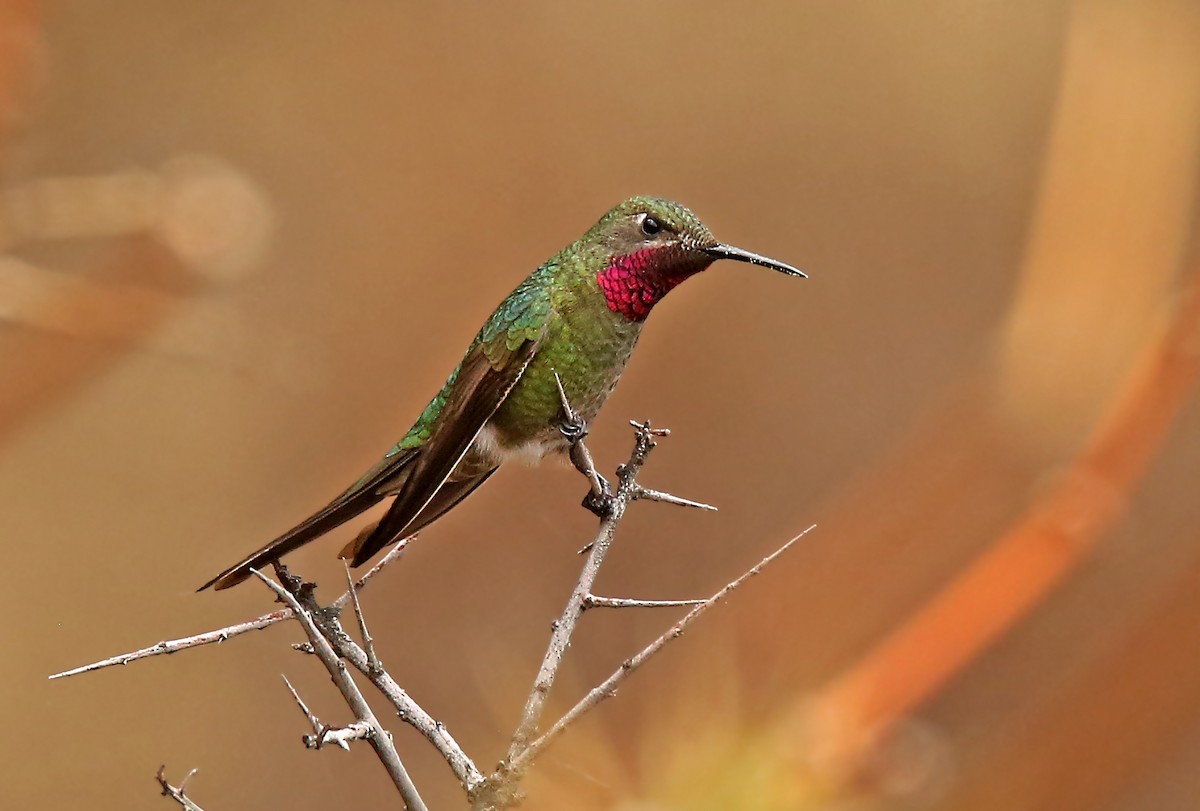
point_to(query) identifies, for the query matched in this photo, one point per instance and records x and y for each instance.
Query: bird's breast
(587, 351)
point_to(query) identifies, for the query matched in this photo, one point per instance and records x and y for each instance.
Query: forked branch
(608, 687)
(564, 627)
(335, 648)
(176, 793)
(379, 738)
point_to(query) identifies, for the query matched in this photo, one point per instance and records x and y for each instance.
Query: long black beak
(729, 252)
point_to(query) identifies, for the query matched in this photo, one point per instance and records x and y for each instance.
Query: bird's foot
(573, 429)
(600, 503)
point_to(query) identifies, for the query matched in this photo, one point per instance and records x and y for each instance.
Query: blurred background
(242, 244)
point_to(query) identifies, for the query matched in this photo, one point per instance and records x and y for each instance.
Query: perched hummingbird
(576, 320)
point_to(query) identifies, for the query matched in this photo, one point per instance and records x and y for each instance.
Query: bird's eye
(650, 226)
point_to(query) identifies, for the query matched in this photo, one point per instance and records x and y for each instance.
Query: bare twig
(593, 601)
(230, 631)
(176, 793)
(183, 643)
(608, 687)
(379, 738)
(394, 554)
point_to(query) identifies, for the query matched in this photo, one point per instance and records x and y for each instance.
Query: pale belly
(491, 449)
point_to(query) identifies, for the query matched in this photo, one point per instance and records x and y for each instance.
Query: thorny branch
(564, 627)
(501, 788)
(230, 631)
(329, 641)
(327, 621)
(379, 738)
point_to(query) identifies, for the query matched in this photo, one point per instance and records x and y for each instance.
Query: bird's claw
(573, 429)
(600, 504)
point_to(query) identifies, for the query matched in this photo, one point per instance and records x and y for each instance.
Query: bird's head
(649, 246)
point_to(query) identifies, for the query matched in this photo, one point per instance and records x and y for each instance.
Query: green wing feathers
(493, 365)
(416, 469)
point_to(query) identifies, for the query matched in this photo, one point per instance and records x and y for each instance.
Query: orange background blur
(242, 244)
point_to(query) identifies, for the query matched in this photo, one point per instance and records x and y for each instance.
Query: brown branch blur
(1024, 565)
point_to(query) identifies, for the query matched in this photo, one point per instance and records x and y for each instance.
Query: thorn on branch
(324, 733)
(594, 601)
(647, 494)
(373, 664)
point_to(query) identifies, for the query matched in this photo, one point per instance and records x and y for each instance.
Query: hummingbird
(564, 334)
